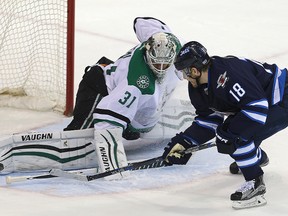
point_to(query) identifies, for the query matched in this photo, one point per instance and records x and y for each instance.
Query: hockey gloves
(130, 135)
(226, 142)
(174, 151)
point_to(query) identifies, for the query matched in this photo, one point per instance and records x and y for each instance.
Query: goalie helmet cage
(37, 54)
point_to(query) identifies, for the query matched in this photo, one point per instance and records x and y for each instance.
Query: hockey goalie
(116, 101)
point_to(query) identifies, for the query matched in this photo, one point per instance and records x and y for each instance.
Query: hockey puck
(1, 166)
(234, 169)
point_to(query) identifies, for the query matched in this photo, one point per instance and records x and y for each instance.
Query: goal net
(36, 54)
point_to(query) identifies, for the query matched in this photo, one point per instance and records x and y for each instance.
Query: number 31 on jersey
(127, 100)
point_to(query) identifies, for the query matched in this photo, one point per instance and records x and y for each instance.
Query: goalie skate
(251, 194)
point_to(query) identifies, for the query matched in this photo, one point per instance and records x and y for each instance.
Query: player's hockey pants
(277, 120)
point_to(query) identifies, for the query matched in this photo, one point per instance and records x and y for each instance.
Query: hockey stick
(147, 164)
(12, 179)
(133, 166)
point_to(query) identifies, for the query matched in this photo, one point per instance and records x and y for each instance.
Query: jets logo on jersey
(143, 82)
(222, 79)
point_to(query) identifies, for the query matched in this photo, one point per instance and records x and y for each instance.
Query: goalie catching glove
(174, 152)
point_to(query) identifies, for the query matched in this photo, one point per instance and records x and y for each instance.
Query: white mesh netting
(33, 47)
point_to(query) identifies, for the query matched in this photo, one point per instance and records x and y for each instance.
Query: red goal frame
(70, 58)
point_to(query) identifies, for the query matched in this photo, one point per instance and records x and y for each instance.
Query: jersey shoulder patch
(139, 73)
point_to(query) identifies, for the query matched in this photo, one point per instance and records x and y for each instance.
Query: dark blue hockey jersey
(241, 87)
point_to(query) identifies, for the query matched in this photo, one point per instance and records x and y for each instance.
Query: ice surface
(254, 29)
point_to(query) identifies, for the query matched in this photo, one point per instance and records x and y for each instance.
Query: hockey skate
(234, 169)
(251, 194)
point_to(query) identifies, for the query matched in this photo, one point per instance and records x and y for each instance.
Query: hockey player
(254, 98)
(125, 97)
(93, 87)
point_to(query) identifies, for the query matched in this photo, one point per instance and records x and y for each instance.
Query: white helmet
(161, 52)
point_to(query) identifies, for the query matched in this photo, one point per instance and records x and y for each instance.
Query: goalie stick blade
(13, 179)
(64, 174)
(253, 202)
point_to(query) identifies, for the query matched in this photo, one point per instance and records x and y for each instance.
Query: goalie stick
(147, 164)
(133, 166)
(12, 179)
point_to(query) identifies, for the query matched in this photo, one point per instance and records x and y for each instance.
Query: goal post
(37, 54)
(70, 58)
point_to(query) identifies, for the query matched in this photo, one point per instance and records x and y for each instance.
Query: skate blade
(253, 202)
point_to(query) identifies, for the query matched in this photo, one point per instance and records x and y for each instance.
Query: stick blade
(61, 173)
(10, 179)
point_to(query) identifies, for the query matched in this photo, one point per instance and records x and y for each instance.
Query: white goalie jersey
(134, 94)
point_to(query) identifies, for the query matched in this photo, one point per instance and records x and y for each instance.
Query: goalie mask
(160, 53)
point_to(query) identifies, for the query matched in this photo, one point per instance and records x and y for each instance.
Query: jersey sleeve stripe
(216, 115)
(103, 115)
(113, 114)
(206, 124)
(191, 139)
(261, 104)
(255, 116)
(278, 86)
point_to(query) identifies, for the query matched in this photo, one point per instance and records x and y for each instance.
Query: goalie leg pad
(110, 151)
(45, 150)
